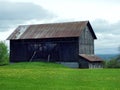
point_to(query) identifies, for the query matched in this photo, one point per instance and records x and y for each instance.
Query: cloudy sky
(104, 16)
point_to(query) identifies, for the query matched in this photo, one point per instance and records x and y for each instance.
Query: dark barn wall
(18, 51)
(57, 49)
(83, 63)
(86, 42)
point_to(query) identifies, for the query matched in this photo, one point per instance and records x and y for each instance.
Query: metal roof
(52, 30)
(91, 58)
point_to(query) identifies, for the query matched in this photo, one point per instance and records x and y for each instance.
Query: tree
(114, 63)
(118, 55)
(4, 58)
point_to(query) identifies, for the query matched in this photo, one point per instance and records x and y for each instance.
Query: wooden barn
(69, 43)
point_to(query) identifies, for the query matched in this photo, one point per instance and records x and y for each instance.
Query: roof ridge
(57, 23)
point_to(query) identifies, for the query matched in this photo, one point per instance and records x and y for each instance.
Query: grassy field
(48, 76)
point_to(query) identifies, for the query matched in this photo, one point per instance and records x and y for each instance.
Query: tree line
(113, 63)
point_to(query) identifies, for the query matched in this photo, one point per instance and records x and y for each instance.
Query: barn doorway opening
(47, 52)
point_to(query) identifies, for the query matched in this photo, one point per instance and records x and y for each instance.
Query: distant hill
(107, 56)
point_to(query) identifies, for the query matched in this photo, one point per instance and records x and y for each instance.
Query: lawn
(49, 76)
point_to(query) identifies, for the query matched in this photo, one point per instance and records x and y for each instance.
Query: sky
(104, 16)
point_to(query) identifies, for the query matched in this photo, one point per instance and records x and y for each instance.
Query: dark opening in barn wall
(44, 51)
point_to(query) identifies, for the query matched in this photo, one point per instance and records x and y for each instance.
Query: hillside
(48, 76)
(107, 56)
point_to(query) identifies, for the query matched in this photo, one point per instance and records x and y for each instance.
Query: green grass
(48, 76)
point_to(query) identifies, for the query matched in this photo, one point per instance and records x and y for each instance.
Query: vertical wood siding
(86, 42)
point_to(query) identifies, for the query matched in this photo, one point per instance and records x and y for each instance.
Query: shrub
(4, 58)
(114, 63)
(104, 64)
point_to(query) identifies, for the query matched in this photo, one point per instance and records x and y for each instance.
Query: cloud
(108, 35)
(4, 35)
(12, 14)
(24, 11)
(105, 27)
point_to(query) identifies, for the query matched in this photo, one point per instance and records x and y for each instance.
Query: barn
(68, 43)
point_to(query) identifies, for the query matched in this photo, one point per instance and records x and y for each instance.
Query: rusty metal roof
(91, 58)
(53, 30)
